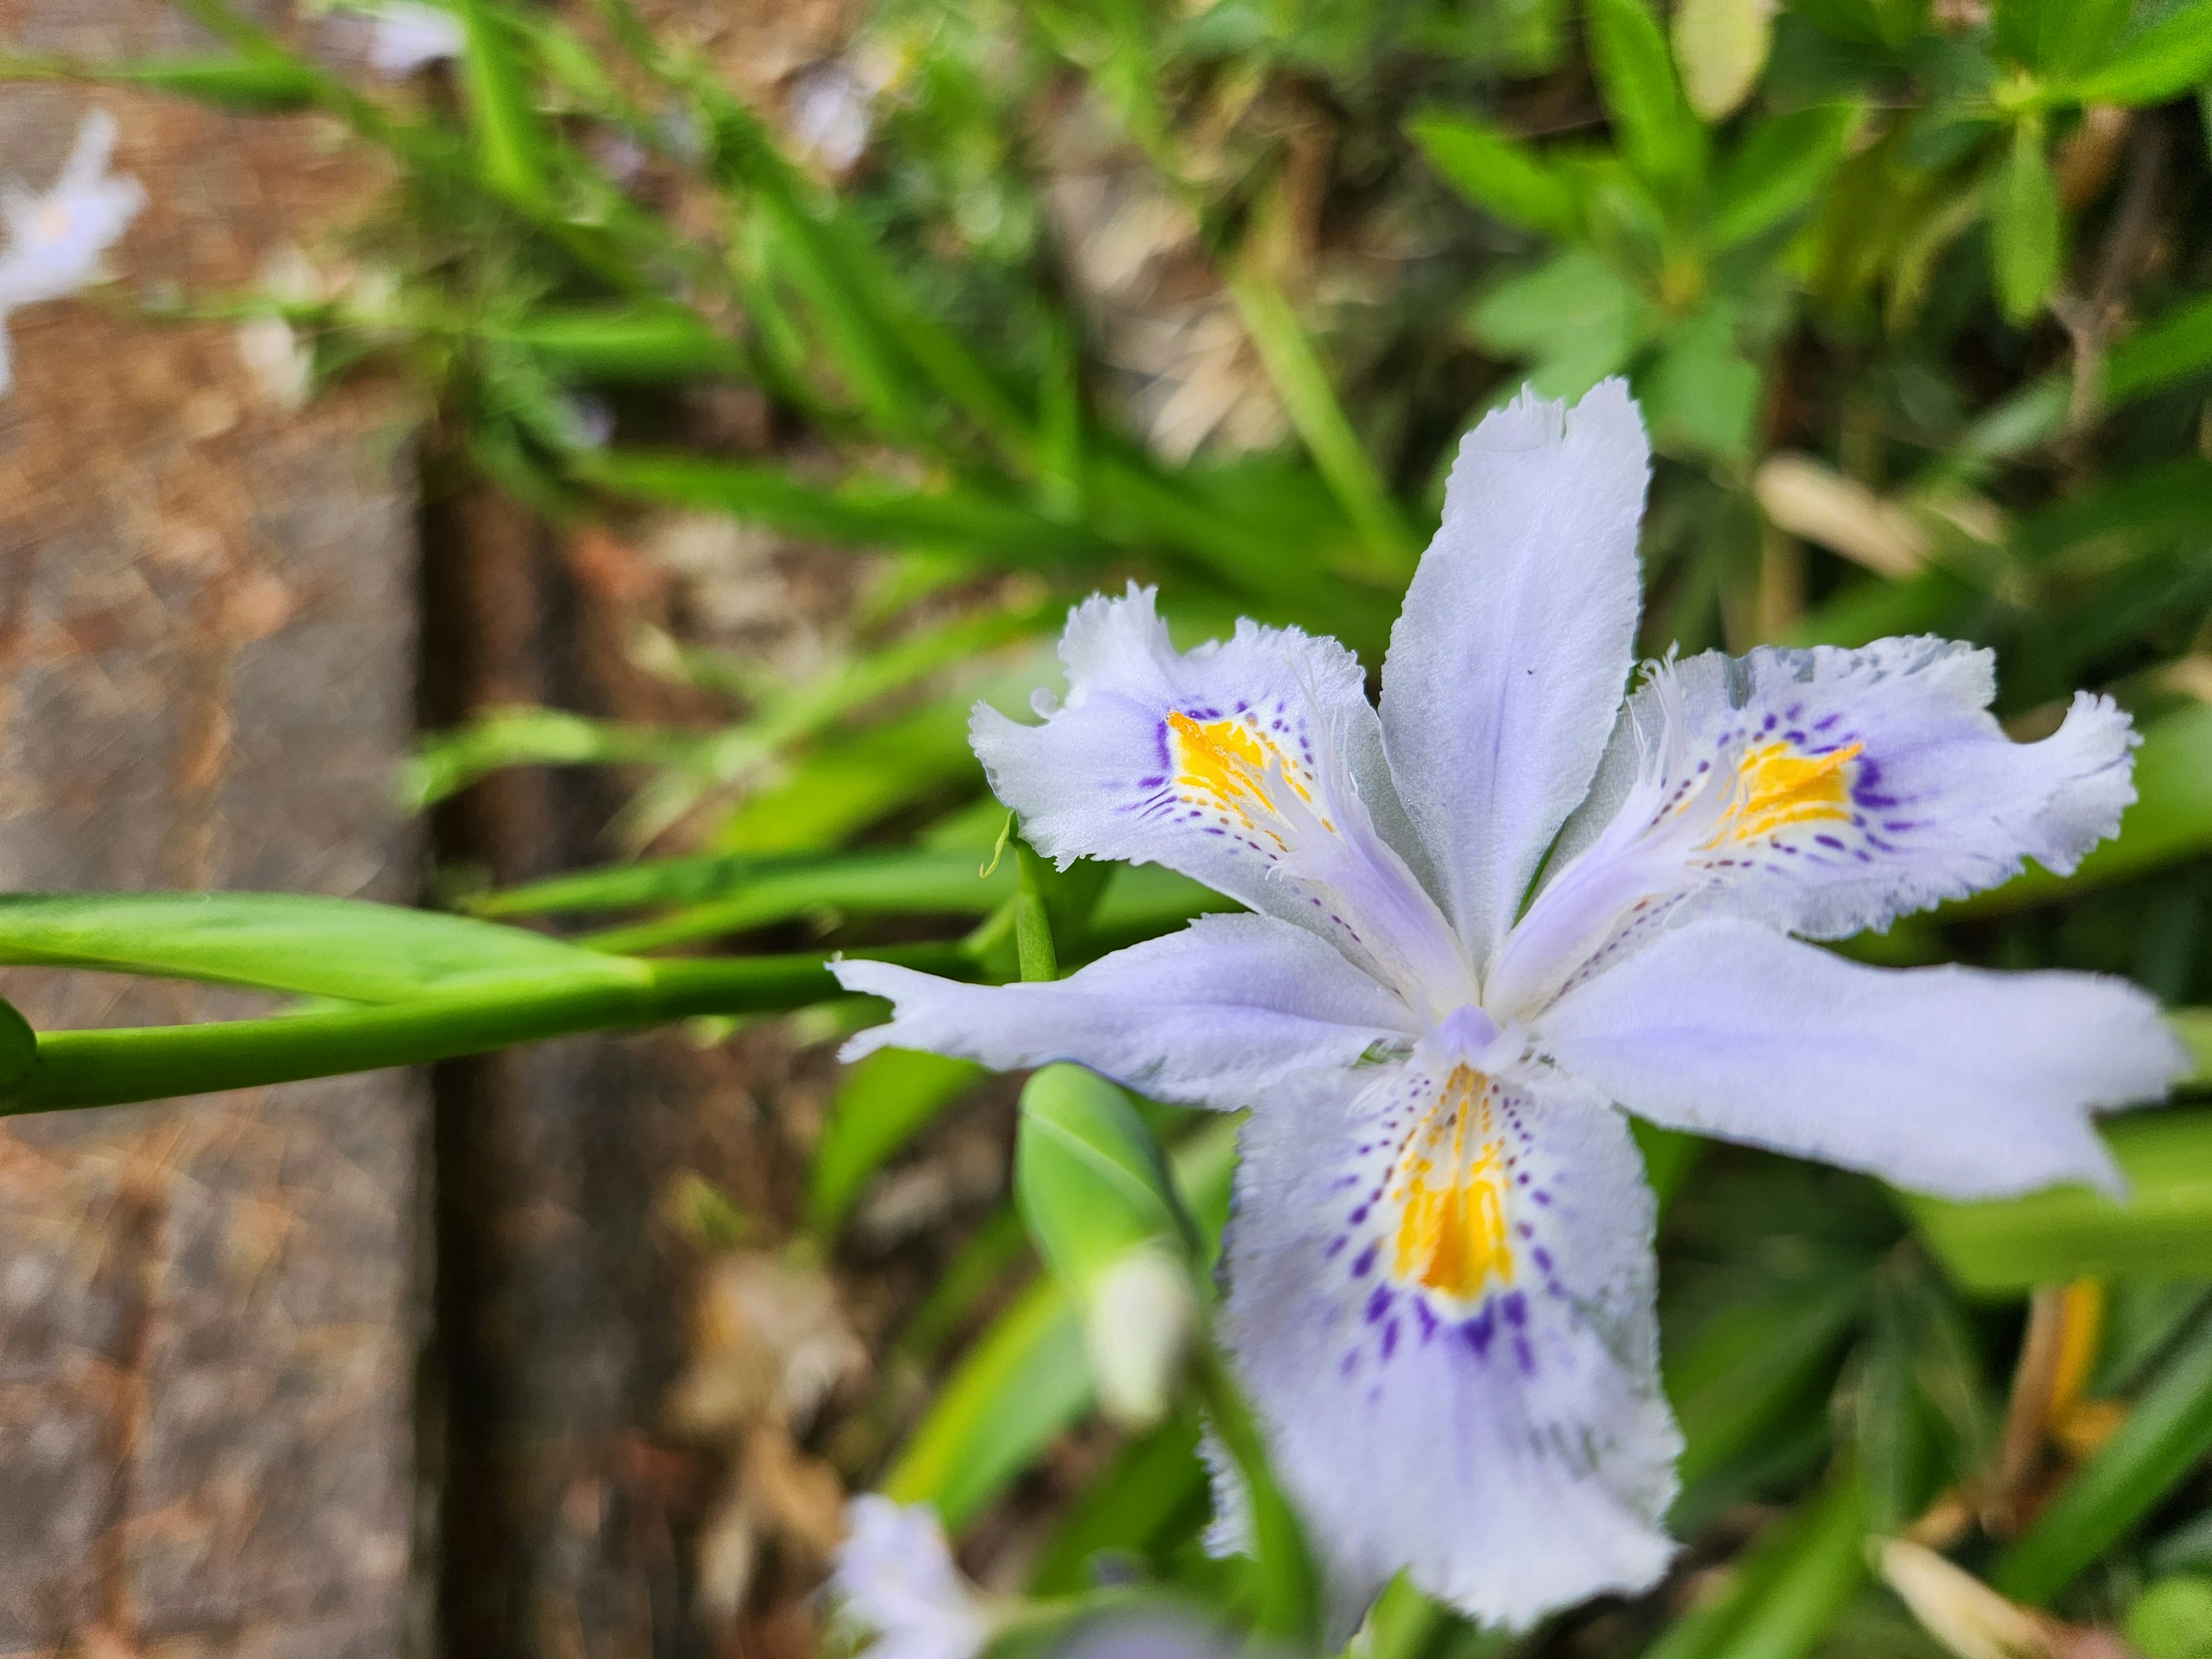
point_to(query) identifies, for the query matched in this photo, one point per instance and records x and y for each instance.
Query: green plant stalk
(1787, 1590)
(1289, 1603)
(1033, 945)
(111, 1068)
(2161, 1439)
(1296, 372)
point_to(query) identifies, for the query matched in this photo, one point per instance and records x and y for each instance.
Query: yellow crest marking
(1776, 787)
(1227, 761)
(1450, 1181)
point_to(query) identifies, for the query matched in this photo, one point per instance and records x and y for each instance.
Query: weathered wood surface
(209, 1310)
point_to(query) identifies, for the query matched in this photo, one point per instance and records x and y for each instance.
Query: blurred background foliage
(1000, 304)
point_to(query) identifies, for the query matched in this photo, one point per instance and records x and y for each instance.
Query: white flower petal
(1440, 1298)
(1216, 1015)
(1251, 764)
(56, 238)
(1949, 1080)
(1824, 791)
(406, 35)
(1509, 661)
(895, 1576)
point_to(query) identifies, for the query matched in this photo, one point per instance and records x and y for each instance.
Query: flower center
(1223, 765)
(1778, 785)
(1448, 1181)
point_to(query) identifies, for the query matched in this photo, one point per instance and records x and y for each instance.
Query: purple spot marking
(1428, 1319)
(1359, 1215)
(1515, 1306)
(1478, 1330)
(1389, 1338)
(1335, 1248)
(1365, 1261)
(1520, 1353)
(1379, 1303)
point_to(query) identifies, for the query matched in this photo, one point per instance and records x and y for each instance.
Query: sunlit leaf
(2164, 1226)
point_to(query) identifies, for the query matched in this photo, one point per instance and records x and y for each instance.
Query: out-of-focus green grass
(1917, 300)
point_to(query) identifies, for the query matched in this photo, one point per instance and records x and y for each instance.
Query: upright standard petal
(1249, 764)
(1822, 792)
(1216, 1015)
(1509, 661)
(1440, 1297)
(1949, 1080)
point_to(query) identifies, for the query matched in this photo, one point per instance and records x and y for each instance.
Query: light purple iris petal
(1216, 1015)
(1253, 764)
(1510, 656)
(1509, 1447)
(1933, 800)
(1949, 1080)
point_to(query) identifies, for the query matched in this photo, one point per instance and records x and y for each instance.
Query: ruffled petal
(1508, 662)
(1949, 1080)
(1249, 764)
(1440, 1299)
(1216, 1015)
(1823, 791)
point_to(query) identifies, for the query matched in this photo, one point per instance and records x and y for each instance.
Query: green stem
(1033, 945)
(1290, 1607)
(110, 1067)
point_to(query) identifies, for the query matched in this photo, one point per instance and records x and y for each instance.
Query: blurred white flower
(830, 116)
(278, 362)
(1138, 1317)
(56, 238)
(894, 1576)
(406, 35)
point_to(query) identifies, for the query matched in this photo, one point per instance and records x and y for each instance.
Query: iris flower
(1491, 917)
(895, 1578)
(57, 237)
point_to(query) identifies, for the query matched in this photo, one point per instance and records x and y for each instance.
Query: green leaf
(110, 1067)
(1702, 395)
(2172, 1619)
(1026, 1380)
(1155, 1486)
(2162, 1228)
(1090, 1177)
(640, 343)
(2163, 1438)
(253, 83)
(1658, 134)
(1302, 382)
(1021, 1384)
(1573, 315)
(19, 1049)
(1747, 1365)
(853, 884)
(858, 512)
(2161, 62)
(311, 946)
(1787, 1590)
(1290, 1609)
(512, 145)
(2056, 36)
(1495, 172)
(881, 1104)
(2170, 821)
(1780, 169)
(2026, 229)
